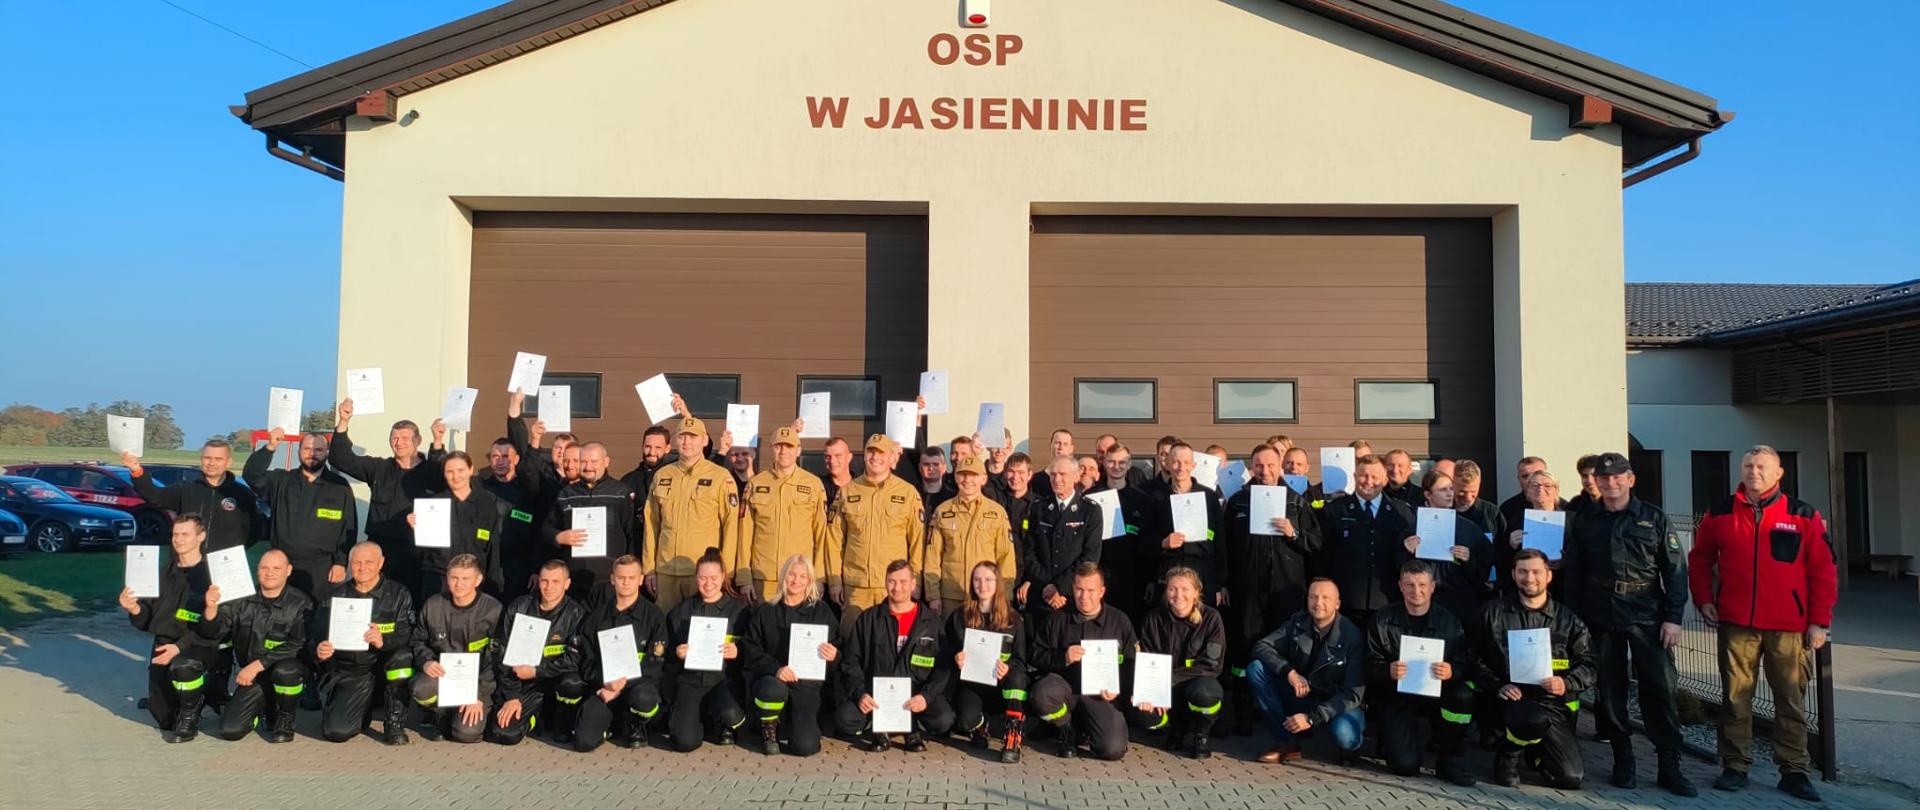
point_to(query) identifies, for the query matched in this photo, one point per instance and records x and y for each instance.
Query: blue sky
(153, 251)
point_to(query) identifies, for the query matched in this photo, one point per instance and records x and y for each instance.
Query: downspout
(1693, 151)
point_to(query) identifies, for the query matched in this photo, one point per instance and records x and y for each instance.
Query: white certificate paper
(1529, 656)
(457, 413)
(1206, 469)
(657, 397)
(1546, 531)
(1233, 478)
(902, 418)
(556, 408)
(1153, 680)
(706, 635)
(1336, 469)
(283, 409)
(983, 654)
(744, 422)
(127, 434)
(593, 520)
(992, 426)
(527, 642)
(1111, 523)
(816, 415)
(367, 387)
(1190, 515)
(143, 571)
(460, 685)
(230, 571)
(433, 522)
(890, 713)
(619, 657)
(803, 651)
(1100, 668)
(1297, 483)
(1421, 654)
(1263, 505)
(933, 388)
(1435, 527)
(347, 621)
(527, 371)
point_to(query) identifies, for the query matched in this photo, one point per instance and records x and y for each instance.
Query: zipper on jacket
(1796, 603)
(1753, 595)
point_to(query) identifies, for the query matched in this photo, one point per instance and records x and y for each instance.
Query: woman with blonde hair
(787, 705)
(989, 609)
(1185, 627)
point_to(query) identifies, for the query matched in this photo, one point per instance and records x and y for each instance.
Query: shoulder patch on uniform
(659, 649)
(733, 499)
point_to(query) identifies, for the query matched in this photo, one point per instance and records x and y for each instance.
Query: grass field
(20, 453)
(35, 586)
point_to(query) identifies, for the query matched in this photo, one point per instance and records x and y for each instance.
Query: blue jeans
(1277, 702)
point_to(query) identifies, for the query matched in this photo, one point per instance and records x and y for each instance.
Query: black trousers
(1196, 705)
(972, 701)
(1637, 646)
(554, 702)
(637, 703)
(346, 697)
(310, 576)
(697, 702)
(170, 685)
(277, 686)
(1401, 718)
(797, 708)
(936, 719)
(1546, 727)
(403, 563)
(1104, 725)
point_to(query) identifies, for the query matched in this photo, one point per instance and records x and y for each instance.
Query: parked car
(112, 485)
(13, 532)
(59, 522)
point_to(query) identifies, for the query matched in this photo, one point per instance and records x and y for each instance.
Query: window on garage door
(1391, 401)
(706, 395)
(584, 402)
(1255, 400)
(1115, 400)
(851, 397)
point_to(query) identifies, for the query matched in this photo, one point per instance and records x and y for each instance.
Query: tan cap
(693, 426)
(970, 464)
(880, 442)
(786, 435)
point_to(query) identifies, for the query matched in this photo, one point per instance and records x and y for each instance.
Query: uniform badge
(705, 482)
(851, 498)
(732, 499)
(804, 490)
(899, 499)
(228, 504)
(659, 649)
(758, 489)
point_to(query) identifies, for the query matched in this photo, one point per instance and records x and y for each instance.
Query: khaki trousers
(1744, 653)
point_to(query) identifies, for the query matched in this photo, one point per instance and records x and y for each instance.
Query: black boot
(915, 743)
(399, 700)
(877, 743)
(1450, 768)
(1016, 738)
(1672, 778)
(725, 737)
(770, 736)
(1199, 747)
(979, 737)
(186, 719)
(281, 709)
(1623, 775)
(637, 731)
(1069, 741)
(1506, 769)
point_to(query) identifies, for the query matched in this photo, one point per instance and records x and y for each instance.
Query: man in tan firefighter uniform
(786, 514)
(964, 531)
(692, 506)
(875, 521)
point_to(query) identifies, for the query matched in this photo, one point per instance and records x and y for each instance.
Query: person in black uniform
(478, 523)
(393, 483)
(635, 701)
(525, 689)
(1196, 636)
(315, 520)
(1013, 489)
(268, 630)
(1065, 532)
(216, 497)
(1295, 462)
(700, 697)
(350, 680)
(1627, 578)
(1400, 483)
(177, 672)
(1538, 716)
(1400, 715)
(460, 619)
(901, 641)
(594, 488)
(1365, 534)
(1057, 653)
(1167, 549)
(789, 707)
(990, 611)
(1480, 512)
(1462, 582)
(1266, 575)
(520, 547)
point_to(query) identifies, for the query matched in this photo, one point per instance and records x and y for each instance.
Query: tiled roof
(1664, 312)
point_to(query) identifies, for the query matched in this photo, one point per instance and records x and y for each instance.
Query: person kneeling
(900, 638)
(1307, 675)
(1196, 637)
(526, 688)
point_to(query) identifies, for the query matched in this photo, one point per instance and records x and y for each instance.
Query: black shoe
(399, 704)
(1799, 786)
(770, 736)
(281, 731)
(1069, 744)
(915, 745)
(877, 743)
(636, 734)
(186, 719)
(725, 737)
(1731, 780)
(980, 738)
(562, 737)
(1623, 768)
(1016, 738)
(1506, 769)
(1454, 772)
(1671, 777)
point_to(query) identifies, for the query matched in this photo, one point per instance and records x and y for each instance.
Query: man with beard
(215, 497)
(315, 520)
(1266, 574)
(393, 483)
(1537, 716)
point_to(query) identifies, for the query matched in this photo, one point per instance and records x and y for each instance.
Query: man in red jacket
(1769, 554)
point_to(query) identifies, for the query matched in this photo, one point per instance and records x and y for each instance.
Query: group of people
(895, 572)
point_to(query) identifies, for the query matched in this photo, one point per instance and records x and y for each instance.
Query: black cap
(1612, 464)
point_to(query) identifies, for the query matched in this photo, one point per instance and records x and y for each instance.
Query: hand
(1555, 685)
(1147, 708)
(1300, 686)
(1175, 540)
(524, 672)
(1397, 670)
(799, 425)
(434, 670)
(509, 712)
(411, 523)
(1510, 692)
(1075, 653)
(838, 593)
(1220, 599)
(439, 428)
(679, 405)
(247, 673)
(132, 462)
(1298, 723)
(607, 694)
(1442, 670)
(960, 660)
(274, 438)
(342, 414)
(1000, 670)
(324, 651)
(1412, 545)
(128, 603)
(1282, 526)
(749, 594)
(917, 704)
(680, 652)
(164, 654)
(1021, 595)
(787, 675)
(920, 405)
(514, 402)
(1461, 553)
(1709, 613)
(729, 651)
(574, 537)
(1669, 634)
(213, 603)
(617, 686)
(1108, 696)
(373, 636)
(1815, 636)
(726, 442)
(337, 574)
(472, 713)
(535, 432)
(867, 704)
(652, 584)
(1515, 539)
(1056, 601)
(829, 653)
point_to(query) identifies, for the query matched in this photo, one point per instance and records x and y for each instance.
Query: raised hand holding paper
(457, 413)
(903, 419)
(556, 408)
(143, 571)
(1336, 470)
(347, 621)
(1435, 527)
(619, 657)
(1100, 667)
(283, 409)
(528, 369)
(528, 641)
(127, 434)
(1190, 516)
(992, 426)
(744, 422)
(1153, 680)
(983, 654)
(1108, 502)
(657, 397)
(803, 651)
(816, 415)
(1546, 531)
(1421, 654)
(933, 389)
(592, 520)
(367, 387)
(229, 570)
(433, 522)
(706, 640)
(460, 684)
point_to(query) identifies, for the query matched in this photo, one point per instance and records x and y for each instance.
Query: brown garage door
(1190, 302)
(770, 299)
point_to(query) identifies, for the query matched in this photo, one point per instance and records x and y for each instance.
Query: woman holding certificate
(1193, 640)
(784, 653)
(705, 659)
(1460, 570)
(986, 639)
(464, 520)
